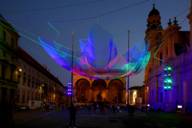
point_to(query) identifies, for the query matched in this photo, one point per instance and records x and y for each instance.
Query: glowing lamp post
(69, 89)
(20, 70)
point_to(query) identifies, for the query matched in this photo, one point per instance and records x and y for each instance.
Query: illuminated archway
(99, 90)
(82, 87)
(115, 91)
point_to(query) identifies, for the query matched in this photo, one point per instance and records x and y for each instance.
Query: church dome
(154, 12)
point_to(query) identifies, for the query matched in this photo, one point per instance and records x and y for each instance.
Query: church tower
(153, 36)
(190, 23)
(154, 28)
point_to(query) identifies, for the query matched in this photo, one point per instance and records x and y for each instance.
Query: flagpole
(127, 85)
(72, 54)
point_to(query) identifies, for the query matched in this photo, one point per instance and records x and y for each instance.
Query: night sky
(57, 19)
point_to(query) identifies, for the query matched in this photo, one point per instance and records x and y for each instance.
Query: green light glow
(169, 68)
(168, 80)
(167, 87)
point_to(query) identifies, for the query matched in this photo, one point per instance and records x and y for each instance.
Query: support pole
(72, 54)
(127, 85)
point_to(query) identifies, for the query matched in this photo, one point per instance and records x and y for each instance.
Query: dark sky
(115, 16)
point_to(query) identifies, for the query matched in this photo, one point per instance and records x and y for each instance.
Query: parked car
(21, 108)
(52, 106)
(34, 104)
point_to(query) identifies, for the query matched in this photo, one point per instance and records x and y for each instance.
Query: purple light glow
(105, 64)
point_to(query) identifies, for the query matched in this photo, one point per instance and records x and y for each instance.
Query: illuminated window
(134, 96)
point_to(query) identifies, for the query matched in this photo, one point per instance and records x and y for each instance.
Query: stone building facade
(22, 78)
(8, 71)
(168, 46)
(36, 83)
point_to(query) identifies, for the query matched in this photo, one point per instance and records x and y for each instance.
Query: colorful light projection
(97, 59)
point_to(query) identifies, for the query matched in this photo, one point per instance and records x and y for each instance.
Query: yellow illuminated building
(88, 90)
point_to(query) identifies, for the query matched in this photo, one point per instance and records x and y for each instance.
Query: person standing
(72, 115)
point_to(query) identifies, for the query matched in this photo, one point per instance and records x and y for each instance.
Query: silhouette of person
(72, 114)
(113, 108)
(6, 113)
(131, 110)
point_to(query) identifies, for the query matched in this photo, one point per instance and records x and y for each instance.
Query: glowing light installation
(106, 63)
(168, 77)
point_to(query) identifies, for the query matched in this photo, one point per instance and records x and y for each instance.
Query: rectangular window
(12, 43)
(4, 36)
(17, 96)
(24, 80)
(4, 54)
(12, 74)
(3, 71)
(19, 78)
(23, 98)
(29, 82)
(3, 94)
(32, 84)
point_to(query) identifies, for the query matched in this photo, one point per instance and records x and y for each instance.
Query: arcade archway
(99, 88)
(82, 90)
(115, 88)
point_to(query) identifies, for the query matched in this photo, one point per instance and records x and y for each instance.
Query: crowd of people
(96, 107)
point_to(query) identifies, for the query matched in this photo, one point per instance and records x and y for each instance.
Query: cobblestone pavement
(87, 119)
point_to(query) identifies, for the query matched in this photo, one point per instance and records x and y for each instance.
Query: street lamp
(20, 70)
(70, 92)
(69, 89)
(127, 95)
(71, 84)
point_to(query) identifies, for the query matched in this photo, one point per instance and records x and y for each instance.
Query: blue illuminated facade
(168, 75)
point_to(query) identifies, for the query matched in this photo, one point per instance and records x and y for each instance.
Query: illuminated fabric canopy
(98, 57)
